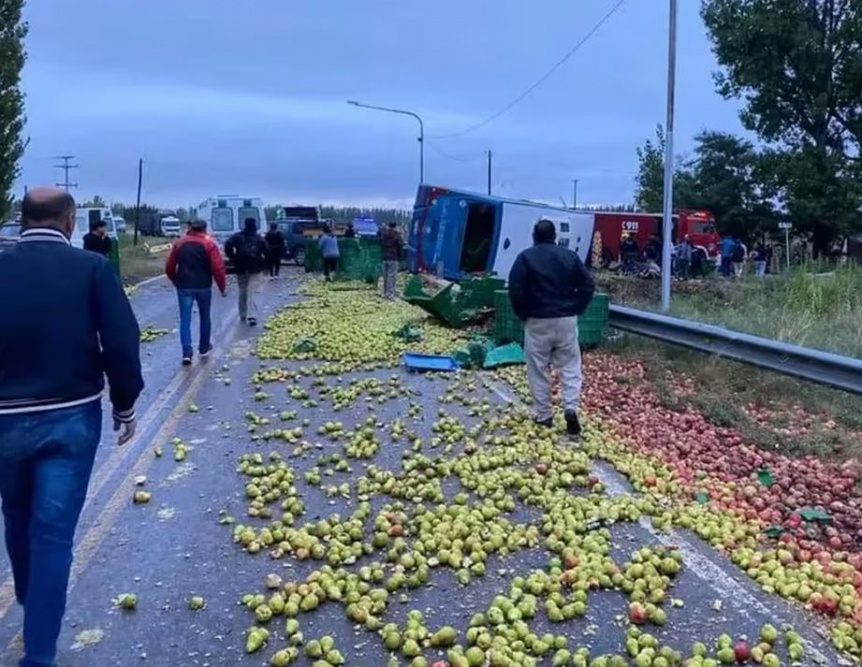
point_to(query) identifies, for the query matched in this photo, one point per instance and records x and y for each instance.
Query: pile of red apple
(711, 460)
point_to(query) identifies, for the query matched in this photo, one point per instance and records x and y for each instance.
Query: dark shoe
(252, 322)
(207, 352)
(547, 423)
(573, 424)
(187, 361)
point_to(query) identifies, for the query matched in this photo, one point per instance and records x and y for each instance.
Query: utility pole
(574, 193)
(489, 172)
(667, 209)
(67, 166)
(138, 200)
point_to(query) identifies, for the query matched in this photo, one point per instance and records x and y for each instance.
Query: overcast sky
(249, 98)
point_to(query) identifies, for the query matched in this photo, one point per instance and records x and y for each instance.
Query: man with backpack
(246, 251)
(193, 264)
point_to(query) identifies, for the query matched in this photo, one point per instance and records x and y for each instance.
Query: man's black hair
(392, 224)
(273, 226)
(98, 224)
(45, 211)
(544, 232)
(250, 224)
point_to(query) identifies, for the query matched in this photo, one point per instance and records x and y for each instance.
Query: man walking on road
(549, 287)
(192, 265)
(274, 249)
(392, 249)
(246, 250)
(65, 324)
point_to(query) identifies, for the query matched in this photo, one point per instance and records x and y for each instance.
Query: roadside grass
(137, 263)
(797, 418)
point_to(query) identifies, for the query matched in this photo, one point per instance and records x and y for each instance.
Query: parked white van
(84, 217)
(226, 214)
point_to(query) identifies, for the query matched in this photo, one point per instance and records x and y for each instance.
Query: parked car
(9, 233)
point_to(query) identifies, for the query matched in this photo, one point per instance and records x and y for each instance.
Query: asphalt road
(175, 547)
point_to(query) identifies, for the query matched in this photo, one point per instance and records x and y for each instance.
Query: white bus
(226, 214)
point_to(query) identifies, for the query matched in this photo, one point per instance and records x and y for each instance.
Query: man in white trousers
(549, 287)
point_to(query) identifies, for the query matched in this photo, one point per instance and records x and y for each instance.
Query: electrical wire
(540, 81)
(454, 158)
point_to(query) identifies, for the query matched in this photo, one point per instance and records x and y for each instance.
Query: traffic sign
(785, 225)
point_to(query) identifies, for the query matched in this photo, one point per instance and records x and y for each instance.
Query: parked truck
(612, 227)
(299, 225)
(163, 222)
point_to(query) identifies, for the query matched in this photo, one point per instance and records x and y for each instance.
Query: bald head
(48, 207)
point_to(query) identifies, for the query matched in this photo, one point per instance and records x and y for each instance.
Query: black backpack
(248, 248)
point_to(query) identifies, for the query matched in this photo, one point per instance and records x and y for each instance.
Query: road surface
(175, 547)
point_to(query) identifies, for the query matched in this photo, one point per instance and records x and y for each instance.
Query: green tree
(95, 202)
(724, 180)
(797, 64)
(649, 191)
(13, 30)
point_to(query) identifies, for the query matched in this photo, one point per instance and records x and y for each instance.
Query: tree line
(797, 67)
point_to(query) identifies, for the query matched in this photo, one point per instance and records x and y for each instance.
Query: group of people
(195, 263)
(734, 254)
(66, 325)
(391, 249)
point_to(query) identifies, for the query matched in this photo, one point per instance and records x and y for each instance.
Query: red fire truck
(699, 226)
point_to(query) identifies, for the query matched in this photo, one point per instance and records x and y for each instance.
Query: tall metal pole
(138, 202)
(574, 193)
(489, 173)
(667, 216)
(403, 112)
(67, 166)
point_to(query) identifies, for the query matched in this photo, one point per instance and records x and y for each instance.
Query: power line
(448, 156)
(542, 79)
(67, 166)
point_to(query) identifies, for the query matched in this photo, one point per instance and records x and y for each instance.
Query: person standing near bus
(329, 249)
(97, 240)
(392, 249)
(549, 287)
(275, 245)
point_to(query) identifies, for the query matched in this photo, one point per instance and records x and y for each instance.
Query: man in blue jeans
(192, 265)
(65, 324)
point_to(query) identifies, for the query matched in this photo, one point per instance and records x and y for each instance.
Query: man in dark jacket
(274, 249)
(97, 239)
(549, 287)
(65, 324)
(392, 249)
(246, 250)
(192, 265)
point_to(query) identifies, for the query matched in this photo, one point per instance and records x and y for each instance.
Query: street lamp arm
(402, 112)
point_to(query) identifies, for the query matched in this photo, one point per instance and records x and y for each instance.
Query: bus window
(222, 220)
(249, 212)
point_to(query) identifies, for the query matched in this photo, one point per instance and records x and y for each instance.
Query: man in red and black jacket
(192, 266)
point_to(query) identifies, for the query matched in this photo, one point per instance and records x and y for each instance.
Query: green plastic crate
(592, 325)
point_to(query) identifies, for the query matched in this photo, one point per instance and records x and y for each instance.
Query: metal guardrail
(803, 363)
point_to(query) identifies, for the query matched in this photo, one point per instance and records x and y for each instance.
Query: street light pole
(574, 193)
(403, 112)
(667, 214)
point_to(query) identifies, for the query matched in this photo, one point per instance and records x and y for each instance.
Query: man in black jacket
(65, 324)
(97, 240)
(549, 287)
(274, 249)
(246, 250)
(392, 249)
